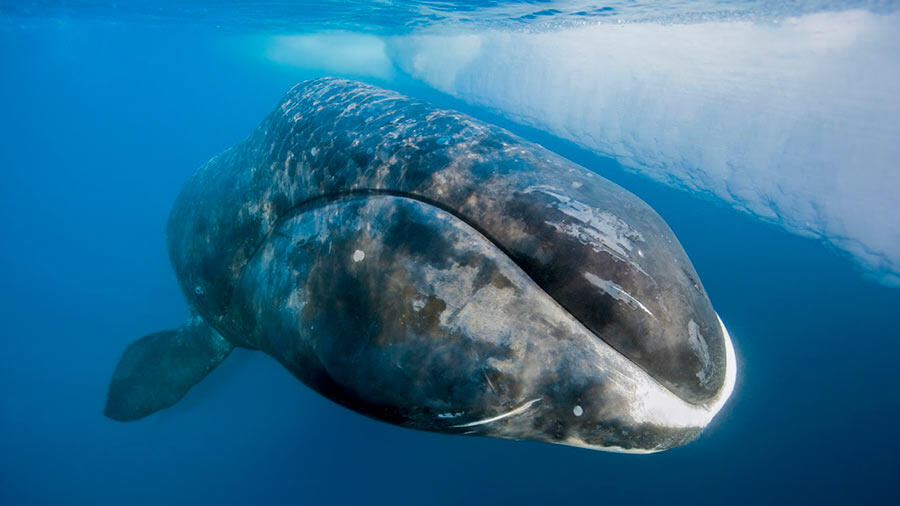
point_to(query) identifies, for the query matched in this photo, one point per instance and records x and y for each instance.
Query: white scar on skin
(598, 228)
(520, 409)
(616, 292)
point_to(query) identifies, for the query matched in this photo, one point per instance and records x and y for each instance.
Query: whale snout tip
(641, 415)
(730, 368)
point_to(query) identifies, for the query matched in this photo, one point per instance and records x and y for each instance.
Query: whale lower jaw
(580, 391)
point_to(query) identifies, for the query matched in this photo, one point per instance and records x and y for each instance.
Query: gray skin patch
(401, 311)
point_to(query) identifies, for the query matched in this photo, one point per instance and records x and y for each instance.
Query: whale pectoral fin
(156, 371)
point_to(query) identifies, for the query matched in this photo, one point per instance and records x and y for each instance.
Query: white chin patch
(654, 404)
(730, 371)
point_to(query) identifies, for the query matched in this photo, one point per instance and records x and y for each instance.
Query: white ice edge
(805, 112)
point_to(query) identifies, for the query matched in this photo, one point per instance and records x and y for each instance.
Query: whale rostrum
(432, 271)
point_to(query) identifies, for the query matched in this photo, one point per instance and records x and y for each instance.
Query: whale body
(435, 272)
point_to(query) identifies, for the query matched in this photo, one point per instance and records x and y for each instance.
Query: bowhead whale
(432, 271)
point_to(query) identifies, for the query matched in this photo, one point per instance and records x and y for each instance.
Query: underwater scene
(449, 252)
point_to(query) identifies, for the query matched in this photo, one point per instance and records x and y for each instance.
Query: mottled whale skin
(432, 271)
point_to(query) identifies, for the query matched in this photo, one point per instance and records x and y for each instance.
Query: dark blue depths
(100, 128)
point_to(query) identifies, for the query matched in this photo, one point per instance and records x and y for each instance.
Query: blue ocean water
(106, 111)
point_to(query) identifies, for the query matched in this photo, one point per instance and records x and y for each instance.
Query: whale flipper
(156, 371)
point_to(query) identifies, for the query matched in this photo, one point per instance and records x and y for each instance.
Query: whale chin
(684, 421)
(638, 415)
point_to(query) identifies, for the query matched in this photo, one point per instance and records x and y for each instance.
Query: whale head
(429, 270)
(402, 311)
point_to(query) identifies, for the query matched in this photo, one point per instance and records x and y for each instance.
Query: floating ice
(796, 120)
